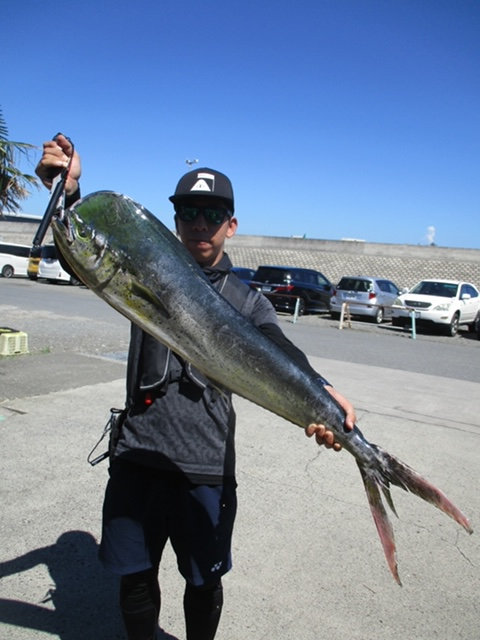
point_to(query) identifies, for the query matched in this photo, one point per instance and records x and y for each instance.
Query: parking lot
(64, 318)
(307, 560)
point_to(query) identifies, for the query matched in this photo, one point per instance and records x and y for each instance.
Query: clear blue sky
(333, 118)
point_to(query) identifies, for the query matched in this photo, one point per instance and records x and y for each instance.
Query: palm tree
(13, 183)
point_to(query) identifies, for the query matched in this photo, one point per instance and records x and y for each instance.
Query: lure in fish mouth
(132, 261)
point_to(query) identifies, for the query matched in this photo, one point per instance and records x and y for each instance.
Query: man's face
(204, 238)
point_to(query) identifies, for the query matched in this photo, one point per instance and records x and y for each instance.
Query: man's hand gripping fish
(131, 260)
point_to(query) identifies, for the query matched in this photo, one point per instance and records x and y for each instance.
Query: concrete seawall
(402, 263)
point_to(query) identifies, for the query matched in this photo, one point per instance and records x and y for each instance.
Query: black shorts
(144, 507)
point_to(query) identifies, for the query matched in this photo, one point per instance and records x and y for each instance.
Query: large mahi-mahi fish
(130, 259)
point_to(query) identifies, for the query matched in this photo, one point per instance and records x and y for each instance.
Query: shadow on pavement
(83, 595)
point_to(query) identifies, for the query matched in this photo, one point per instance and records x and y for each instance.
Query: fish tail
(389, 470)
(398, 473)
(380, 517)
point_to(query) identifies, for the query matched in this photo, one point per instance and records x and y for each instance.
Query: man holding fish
(172, 465)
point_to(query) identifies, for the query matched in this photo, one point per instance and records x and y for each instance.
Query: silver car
(366, 296)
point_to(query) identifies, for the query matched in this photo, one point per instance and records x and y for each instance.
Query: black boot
(203, 607)
(140, 604)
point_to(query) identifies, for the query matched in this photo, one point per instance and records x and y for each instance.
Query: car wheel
(7, 271)
(452, 329)
(378, 317)
(474, 326)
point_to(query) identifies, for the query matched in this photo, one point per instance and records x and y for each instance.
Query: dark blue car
(244, 273)
(284, 286)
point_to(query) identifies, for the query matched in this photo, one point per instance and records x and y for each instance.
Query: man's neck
(210, 265)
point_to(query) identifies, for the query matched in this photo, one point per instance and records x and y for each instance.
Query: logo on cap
(205, 182)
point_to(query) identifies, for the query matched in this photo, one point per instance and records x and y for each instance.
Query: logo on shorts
(216, 567)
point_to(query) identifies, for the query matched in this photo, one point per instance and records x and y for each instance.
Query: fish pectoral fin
(144, 293)
(222, 392)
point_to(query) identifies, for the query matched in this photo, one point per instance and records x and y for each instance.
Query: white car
(49, 267)
(13, 259)
(445, 304)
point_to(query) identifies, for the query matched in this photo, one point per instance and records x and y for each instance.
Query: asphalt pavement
(308, 564)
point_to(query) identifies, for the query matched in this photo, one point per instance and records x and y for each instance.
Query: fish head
(83, 232)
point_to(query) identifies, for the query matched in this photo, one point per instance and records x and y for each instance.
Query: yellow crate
(12, 342)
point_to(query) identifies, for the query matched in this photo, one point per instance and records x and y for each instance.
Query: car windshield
(288, 275)
(265, 274)
(355, 284)
(430, 288)
(243, 272)
(49, 252)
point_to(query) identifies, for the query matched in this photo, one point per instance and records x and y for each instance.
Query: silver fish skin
(125, 255)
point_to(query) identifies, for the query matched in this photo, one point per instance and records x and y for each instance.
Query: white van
(49, 267)
(13, 259)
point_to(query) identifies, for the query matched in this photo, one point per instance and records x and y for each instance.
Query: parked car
(445, 304)
(366, 296)
(244, 273)
(285, 285)
(49, 267)
(13, 259)
(34, 262)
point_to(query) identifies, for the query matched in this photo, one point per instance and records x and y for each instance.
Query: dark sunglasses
(213, 215)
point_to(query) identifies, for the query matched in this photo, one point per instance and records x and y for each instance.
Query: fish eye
(81, 228)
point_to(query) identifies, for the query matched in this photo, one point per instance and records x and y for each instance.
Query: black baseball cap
(204, 182)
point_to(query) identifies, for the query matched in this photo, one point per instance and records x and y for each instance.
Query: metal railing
(345, 312)
(296, 312)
